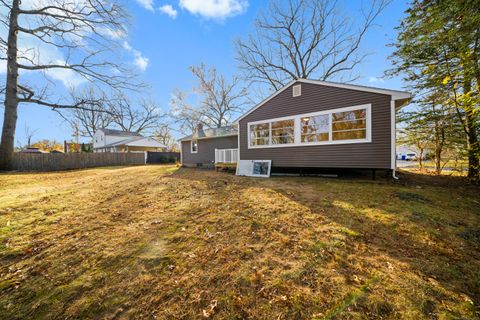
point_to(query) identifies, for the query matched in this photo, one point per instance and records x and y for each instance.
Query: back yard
(158, 242)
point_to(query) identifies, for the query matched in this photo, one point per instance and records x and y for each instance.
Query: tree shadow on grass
(424, 239)
(437, 234)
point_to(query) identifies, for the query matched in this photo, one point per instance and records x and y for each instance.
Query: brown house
(198, 149)
(313, 124)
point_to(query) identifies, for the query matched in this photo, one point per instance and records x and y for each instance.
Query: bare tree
(184, 114)
(163, 134)
(29, 134)
(145, 116)
(305, 39)
(85, 32)
(220, 98)
(217, 99)
(86, 121)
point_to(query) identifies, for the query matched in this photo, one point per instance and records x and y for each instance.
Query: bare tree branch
(218, 100)
(86, 34)
(304, 39)
(144, 117)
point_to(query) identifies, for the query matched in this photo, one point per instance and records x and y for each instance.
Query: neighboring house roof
(135, 142)
(31, 150)
(120, 133)
(212, 133)
(396, 94)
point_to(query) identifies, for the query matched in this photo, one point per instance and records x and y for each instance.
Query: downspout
(393, 142)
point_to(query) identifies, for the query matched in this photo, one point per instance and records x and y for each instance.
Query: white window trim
(297, 133)
(191, 146)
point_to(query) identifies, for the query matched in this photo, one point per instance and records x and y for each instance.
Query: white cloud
(375, 79)
(31, 50)
(114, 34)
(147, 4)
(127, 46)
(140, 60)
(214, 9)
(169, 10)
(68, 77)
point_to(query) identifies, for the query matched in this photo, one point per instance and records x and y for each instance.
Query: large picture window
(342, 125)
(283, 132)
(349, 125)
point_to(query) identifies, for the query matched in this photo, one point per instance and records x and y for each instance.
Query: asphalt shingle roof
(213, 133)
(120, 133)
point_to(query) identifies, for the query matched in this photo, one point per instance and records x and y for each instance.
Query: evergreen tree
(438, 51)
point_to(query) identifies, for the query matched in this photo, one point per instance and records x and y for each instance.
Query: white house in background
(109, 140)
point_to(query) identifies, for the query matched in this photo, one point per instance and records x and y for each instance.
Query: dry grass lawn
(154, 242)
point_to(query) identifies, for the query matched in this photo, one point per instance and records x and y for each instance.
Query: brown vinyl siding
(373, 155)
(206, 150)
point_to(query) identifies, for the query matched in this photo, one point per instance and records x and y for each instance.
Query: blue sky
(166, 37)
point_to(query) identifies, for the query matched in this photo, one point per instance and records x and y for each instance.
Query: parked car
(411, 157)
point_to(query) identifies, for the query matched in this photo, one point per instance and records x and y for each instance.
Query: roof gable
(395, 94)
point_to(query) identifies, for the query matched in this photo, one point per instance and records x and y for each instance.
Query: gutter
(205, 138)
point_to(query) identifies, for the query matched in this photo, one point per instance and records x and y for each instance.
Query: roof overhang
(402, 97)
(205, 138)
(135, 142)
(145, 142)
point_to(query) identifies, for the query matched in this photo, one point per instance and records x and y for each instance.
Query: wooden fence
(59, 161)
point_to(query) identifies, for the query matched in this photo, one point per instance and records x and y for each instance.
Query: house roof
(135, 142)
(209, 133)
(31, 150)
(401, 96)
(120, 133)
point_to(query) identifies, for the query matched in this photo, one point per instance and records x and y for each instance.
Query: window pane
(259, 134)
(283, 132)
(349, 125)
(259, 142)
(315, 129)
(282, 124)
(194, 145)
(260, 130)
(349, 115)
(350, 135)
(315, 137)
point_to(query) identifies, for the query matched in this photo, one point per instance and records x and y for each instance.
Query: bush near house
(167, 243)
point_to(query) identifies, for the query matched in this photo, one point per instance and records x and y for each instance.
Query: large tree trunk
(473, 148)
(11, 98)
(473, 145)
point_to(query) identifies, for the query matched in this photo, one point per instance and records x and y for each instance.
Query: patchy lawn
(157, 242)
